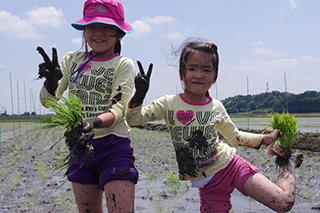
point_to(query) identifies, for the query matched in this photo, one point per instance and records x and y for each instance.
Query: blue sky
(259, 42)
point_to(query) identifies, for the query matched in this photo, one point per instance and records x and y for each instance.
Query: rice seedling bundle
(287, 124)
(68, 111)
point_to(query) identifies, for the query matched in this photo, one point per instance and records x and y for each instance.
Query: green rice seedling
(15, 180)
(308, 194)
(67, 201)
(36, 134)
(159, 209)
(68, 111)
(287, 124)
(4, 171)
(69, 117)
(42, 169)
(28, 205)
(174, 184)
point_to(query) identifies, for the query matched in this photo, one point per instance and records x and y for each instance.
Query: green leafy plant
(68, 111)
(42, 169)
(174, 184)
(287, 124)
(69, 117)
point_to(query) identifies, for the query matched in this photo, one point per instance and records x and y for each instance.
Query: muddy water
(155, 159)
(305, 124)
(24, 188)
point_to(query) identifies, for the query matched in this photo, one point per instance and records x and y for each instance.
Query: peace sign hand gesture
(142, 82)
(49, 70)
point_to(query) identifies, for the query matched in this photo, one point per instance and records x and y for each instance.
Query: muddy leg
(120, 196)
(281, 196)
(88, 197)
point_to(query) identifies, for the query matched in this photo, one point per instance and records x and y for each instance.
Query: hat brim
(124, 26)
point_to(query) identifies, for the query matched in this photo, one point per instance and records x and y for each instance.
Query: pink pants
(215, 196)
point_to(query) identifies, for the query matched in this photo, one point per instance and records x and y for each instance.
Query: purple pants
(113, 160)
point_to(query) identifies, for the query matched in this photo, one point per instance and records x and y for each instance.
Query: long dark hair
(196, 44)
(206, 47)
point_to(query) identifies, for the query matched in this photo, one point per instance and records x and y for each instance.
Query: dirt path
(27, 183)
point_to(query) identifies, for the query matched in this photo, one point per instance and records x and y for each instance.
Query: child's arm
(104, 120)
(271, 137)
(240, 138)
(142, 82)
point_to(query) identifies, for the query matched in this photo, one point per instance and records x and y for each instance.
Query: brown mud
(28, 184)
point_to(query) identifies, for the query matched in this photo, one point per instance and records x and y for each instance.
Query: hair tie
(208, 42)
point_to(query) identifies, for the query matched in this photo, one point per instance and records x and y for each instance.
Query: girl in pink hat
(103, 80)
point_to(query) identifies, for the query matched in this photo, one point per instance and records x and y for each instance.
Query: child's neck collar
(208, 100)
(89, 55)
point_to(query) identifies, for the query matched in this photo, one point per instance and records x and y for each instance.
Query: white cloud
(307, 58)
(260, 49)
(141, 27)
(16, 27)
(174, 37)
(267, 66)
(144, 25)
(266, 51)
(287, 4)
(293, 4)
(2, 66)
(46, 16)
(158, 20)
(257, 43)
(282, 63)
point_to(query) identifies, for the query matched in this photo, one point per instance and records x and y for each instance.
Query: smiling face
(198, 76)
(102, 38)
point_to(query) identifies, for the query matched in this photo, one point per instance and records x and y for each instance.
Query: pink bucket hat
(103, 11)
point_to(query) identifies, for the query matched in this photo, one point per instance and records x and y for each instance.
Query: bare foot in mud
(289, 165)
(297, 159)
(293, 161)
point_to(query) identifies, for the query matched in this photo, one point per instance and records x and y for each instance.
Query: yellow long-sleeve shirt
(102, 85)
(200, 152)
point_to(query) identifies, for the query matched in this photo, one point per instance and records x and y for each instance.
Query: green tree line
(275, 101)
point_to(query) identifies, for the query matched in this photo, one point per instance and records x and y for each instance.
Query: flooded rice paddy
(27, 183)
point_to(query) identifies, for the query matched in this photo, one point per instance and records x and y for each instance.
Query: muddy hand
(271, 137)
(49, 70)
(90, 124)
(142, 82)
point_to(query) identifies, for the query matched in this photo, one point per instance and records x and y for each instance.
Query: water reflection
(305, 124)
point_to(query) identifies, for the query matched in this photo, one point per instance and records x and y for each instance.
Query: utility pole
(286, 93)
(248, 100)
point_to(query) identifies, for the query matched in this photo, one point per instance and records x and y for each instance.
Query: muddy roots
(282, 154)
(79, 144)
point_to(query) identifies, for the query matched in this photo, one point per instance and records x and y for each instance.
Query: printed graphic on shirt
(94, 89)
(184, 117)
(194, 137)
